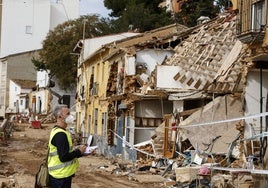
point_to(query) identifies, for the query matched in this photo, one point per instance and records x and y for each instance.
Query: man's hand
(82, 148)
(92, 152)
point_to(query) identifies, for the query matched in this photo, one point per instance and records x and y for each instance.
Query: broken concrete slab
(215, 138)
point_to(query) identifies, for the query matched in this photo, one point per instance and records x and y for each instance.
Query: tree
(142, 15)
(191, 10)
(56, 54)
(223, 4)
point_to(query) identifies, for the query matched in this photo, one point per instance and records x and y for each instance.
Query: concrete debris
(50, 118)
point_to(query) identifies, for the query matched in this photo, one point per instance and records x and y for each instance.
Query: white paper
(89, 149)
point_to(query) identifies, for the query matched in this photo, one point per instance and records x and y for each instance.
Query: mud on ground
(26, 148)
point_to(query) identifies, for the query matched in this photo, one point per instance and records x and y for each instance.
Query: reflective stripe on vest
(61, 165)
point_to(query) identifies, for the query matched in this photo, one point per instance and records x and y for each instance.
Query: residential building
(110, 94)
(23, 27)
(252, 30)
(204, 80)
(163, 79)
(48, 94)
(19, 67)
(91, 106)
(19, 99)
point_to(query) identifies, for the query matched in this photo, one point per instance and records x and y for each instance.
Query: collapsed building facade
(105, 89)
(201, 89)
(163, 78)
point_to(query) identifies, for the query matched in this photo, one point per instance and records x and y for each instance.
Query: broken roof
(210, 58)
(155, 37)
(92, 45)
(25, 84)
(152, 38)
(124, 40)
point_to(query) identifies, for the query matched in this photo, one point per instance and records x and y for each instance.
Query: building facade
(253, 31)
(112, 92)
(19, 99)
(23, 27)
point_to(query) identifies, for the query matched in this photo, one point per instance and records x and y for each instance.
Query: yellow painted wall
(96, 101)
(235, 5)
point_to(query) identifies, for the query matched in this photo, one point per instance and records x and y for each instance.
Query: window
(98, 73)
(91, 79)
(258, 16)
(94, 90)
(102, 72)
(2, 100)
(28, 29)
(104, 123)
(21, 102)
(95, 120)
(82, 92)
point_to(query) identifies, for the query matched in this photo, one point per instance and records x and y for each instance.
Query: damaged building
(113, 98)
(182, 89)
(159, 79)
(177, 91)
(206, 77)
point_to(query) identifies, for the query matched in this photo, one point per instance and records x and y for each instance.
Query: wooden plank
(228, 61)
(188, 112)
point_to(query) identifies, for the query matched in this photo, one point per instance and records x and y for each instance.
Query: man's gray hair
(57, 109)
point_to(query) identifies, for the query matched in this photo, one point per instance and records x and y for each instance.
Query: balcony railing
(251, 20)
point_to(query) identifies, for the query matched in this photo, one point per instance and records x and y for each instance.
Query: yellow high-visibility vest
(56, 168)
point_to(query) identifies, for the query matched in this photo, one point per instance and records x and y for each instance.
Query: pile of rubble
(184, 171)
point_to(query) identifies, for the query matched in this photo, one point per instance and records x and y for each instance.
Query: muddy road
(26, 148)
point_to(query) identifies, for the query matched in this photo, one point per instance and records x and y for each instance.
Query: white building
(18, 92)
(24, 25)
(45, 98)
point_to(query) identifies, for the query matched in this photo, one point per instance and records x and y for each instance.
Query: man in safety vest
(62, 158)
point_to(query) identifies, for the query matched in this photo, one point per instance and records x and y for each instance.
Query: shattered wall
(152, 57)
(149, 114)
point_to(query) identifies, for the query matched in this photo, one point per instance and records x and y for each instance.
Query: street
(26, 148)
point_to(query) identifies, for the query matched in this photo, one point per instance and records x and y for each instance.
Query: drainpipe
(261, 102)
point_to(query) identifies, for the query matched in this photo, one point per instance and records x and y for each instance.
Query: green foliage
(193, 9)
(56, 54)
(117, 6)
(140, 15)
(223, 4)
(39, 65)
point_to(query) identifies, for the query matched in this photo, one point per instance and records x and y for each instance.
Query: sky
(93, 6)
